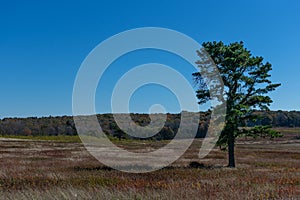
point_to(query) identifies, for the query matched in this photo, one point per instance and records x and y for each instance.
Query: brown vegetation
(55, 170)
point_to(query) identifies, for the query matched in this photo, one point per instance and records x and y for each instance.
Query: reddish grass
(45, 169)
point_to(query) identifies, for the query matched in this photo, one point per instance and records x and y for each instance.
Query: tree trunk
(231, 150)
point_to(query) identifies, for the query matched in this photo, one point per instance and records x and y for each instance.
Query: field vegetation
(60, 168)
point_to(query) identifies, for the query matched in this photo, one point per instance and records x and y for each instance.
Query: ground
(47, 169)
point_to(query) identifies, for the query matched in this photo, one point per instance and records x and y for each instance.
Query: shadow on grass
(192, 165)
(104, 168)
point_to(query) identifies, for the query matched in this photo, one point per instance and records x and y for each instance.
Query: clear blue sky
(42, 45)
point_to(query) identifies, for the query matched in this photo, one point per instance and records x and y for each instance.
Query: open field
(42, 168)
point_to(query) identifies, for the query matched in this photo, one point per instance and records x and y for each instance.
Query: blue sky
(43, 43)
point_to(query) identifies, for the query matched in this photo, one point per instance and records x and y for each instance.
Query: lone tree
(246, 84)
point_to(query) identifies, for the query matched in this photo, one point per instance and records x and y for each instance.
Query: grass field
(61, 168)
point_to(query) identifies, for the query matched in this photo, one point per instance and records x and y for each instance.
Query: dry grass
(55, 170)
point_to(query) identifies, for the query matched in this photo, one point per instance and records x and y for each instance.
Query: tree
(246, 84)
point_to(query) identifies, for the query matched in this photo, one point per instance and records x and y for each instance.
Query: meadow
(60, 168)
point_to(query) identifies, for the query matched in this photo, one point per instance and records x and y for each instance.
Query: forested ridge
(64, 125)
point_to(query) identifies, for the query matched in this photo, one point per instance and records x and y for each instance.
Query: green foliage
(246, 81)
(261, 131)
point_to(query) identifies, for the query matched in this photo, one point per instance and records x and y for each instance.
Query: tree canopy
(247, 82)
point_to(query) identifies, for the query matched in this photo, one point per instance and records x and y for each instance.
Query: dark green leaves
(246, 85)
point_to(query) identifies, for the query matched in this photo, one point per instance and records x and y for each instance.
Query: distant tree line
(276, 119)
(34, 126)
(53, 126)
